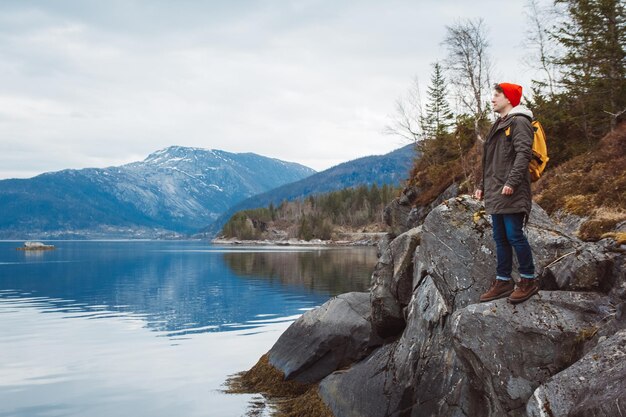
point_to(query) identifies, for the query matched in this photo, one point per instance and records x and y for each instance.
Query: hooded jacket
(505, 162)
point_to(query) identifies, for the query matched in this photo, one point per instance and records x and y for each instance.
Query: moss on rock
(287, 398)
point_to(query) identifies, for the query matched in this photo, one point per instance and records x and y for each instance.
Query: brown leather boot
(499, 288)
(525, 289)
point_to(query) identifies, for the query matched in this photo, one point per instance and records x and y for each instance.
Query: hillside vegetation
(579, 97)
(591, 185)
(322, 216)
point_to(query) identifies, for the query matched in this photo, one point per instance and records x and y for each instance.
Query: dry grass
(434, 179)
(602, 223)
(594, 229)
(287, 398)
(580, 205)
(308, 404)
(619, 238)
(592, 185)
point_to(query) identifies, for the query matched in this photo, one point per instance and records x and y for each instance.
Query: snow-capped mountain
(176, 190)
(391, 168)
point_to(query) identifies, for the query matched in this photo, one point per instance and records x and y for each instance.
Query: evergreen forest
(319, 216)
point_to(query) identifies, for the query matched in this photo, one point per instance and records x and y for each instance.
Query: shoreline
(366, 239)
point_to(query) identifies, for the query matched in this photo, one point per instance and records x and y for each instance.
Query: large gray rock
(618, 287)
(453, 265)
(593, 386)
(386, 317)
(564, 261)
(569, 222)
(402, 250)
(585, 267)
(419, 375)
(457, 247)
(418, 214)
(361, 390)
(325, 339)
(396, 213)
(427, 372)
(457, 251)
(508, 351)
(392, 283)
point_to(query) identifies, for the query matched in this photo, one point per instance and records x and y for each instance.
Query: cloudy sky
(98, 83)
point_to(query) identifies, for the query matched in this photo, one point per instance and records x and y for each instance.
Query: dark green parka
(505, 162)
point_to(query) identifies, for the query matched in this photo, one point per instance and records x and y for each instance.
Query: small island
(36, 246)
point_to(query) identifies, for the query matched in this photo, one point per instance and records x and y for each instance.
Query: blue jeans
(508, 235)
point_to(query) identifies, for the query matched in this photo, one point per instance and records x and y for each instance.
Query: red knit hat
(513, 92)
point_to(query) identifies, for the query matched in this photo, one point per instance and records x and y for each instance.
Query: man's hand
(478, 194)
(506, 190)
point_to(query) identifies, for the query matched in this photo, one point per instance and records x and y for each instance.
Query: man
(505, 186)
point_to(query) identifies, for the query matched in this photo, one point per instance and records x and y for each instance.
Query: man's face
(499, 102)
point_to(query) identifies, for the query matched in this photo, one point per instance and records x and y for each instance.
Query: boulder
(396, 213)
(618, 286)
(418, 214)
(508, 351)
(383, 244)
(428, 376)
(593, 386)
(457, 251)
(386, 313)
(402, 250)
(362, 389)
(325, 339)
(392, 283)
(586, 267)
(453, 264)
(457, 247)
(563, 261)
(418, 375)
(569, 222)
(446, 355)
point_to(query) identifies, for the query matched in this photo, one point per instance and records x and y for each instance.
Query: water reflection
(151, 328)
(34, 255)
(184, 287)
(333, 271)
(69, 365)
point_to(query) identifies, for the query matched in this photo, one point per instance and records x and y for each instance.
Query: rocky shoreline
(353, 239)
(419, 344)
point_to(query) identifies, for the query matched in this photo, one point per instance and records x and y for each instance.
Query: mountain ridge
(173, 191)
(391, 168)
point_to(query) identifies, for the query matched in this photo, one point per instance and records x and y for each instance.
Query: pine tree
(438, 117)
(272, 210)
(593, 65)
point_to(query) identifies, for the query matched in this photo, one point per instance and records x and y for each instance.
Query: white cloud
(90, 83)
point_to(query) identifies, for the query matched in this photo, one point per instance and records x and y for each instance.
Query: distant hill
(391, 169)
(177, 190)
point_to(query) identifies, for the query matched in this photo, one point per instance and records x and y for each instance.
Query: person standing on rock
(505, 186)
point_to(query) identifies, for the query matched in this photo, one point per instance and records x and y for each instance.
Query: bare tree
(407, 121)
(469, 67)
(541, 45)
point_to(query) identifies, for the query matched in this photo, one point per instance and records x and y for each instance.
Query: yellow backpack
(540, 158)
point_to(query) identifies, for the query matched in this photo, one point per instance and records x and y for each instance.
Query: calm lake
(152, 328)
